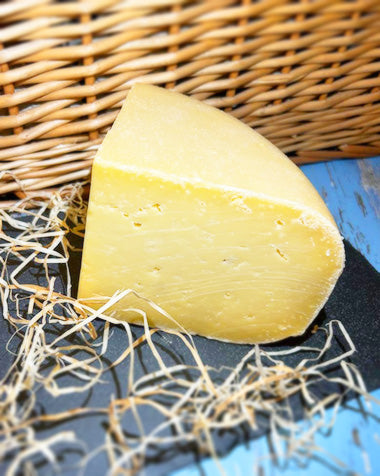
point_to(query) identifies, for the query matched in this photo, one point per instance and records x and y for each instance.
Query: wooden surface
(351, 190)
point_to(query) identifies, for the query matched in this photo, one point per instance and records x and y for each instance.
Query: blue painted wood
(354, 442)
(351, 189)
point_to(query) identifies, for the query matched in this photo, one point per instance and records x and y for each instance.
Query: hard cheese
(200, 214)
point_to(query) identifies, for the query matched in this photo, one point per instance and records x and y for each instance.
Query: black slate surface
(355, 302)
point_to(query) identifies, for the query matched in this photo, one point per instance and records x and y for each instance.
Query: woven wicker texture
(304, 73)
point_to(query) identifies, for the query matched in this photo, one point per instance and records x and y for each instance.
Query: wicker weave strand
(304, 73)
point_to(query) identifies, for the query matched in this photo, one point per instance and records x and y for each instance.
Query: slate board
(355, 301)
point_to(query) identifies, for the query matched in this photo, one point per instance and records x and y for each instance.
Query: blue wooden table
(351, 189)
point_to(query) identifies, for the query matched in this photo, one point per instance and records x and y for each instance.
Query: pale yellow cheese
(200, 214)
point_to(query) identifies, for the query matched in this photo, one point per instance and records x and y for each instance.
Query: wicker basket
(304, 73)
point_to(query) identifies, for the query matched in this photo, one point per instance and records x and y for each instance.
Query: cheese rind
(229, 258)
(169, 134)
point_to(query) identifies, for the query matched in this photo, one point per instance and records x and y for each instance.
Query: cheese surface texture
(203, 216)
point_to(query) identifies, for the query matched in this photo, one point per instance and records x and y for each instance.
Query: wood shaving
(256, 393)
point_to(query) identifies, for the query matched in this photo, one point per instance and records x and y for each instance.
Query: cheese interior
(203, 216)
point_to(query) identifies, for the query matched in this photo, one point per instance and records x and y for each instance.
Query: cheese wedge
(197, 212)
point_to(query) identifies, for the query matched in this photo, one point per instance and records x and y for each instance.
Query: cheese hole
(156, 270)
(229, 260)
(202, 205)
(239, 203)
(126, 215)
(281, 254)
(137, 224)
(157, 206)
(280, 222)
(227, 295)
(249, 317)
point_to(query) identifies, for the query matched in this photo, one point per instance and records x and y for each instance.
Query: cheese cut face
(200, 214)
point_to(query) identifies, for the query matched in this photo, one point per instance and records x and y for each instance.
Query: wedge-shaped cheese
(200, 214)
